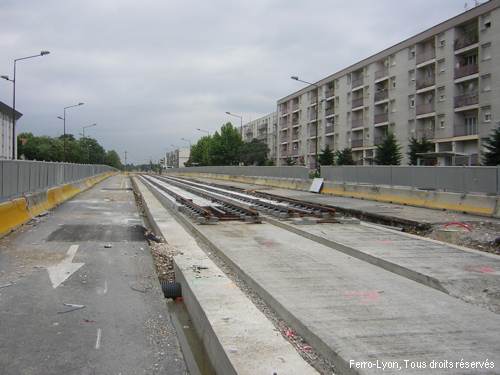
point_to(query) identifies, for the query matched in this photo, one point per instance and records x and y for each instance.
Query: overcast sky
(152, 71)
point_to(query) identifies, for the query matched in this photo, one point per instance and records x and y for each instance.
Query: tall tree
(253, 152)
(112, 159)
(326, 157)
(344, 157)
(200, 152)
(492, 145)
(388, 152)
(418, 147)
(225, 146)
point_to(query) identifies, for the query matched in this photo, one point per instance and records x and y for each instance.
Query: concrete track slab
(123, 327)
(352, 310)
(406, 213)
(238, 337)
(470, 275)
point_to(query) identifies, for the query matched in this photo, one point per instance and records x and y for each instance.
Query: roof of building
(4, 108)
(422, 36)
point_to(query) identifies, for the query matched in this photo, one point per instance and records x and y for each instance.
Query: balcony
(295, 107)
(355, 143)
(329, 129)
(262, 136)
(466, 70)
(329, 92)
(469, 38)
(381, 118)
(284, 124)
(357, 123)
(427, 133)
(465, 100)
(312, 131)
(356, 82)
(381, 95)
(329, 111)
(313, 100)
(378, 140)
(313, 116)
(295, 136)
(357, 103)
(426, 55)
(284, 111)
(422, 109)
(312, 147)
(426, 82)
(295, 121)
(381, 73)
(464, 130)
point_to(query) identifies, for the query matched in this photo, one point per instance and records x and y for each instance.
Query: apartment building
(442, 84)
(6, 131)
(177, 158)
(264, 129)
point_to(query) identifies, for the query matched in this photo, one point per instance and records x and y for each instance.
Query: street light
(13, 80)
(64, 124)
(86, 127)
(316, 161)
(241, 121)
(204, 131)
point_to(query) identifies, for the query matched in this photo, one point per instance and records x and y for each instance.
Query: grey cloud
(151, 71)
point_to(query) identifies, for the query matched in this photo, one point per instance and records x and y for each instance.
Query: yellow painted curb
(16, 212)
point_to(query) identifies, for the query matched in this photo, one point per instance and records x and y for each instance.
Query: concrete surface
(407, 213)
(68, 258)
(238, 337)
(351, 310)
(470, 275)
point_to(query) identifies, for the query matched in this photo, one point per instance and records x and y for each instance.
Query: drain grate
(99, 233)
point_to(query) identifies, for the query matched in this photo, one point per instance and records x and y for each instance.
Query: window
(411, 53)
(486, 114)
(411, 77)
(441, 66)
(393, 82)
(442, 122)
(411, 101)
(486, 51)
(441, 94)
(485, 22)
(471, 59)
(442, 40)
(486, 82)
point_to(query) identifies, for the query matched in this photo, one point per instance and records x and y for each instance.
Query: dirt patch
(479, 235)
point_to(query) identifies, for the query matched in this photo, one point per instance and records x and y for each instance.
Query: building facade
(6, 133)
(177, 158)
(264, 129)
(442, 84)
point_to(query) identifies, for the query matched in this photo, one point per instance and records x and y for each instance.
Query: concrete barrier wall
(485, 180)
(18, 177)
(280, 172)
(20, 210)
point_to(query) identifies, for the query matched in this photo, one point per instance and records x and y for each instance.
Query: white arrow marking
(60, 272)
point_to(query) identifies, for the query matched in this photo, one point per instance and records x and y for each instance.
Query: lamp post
(203, 131)
(241, 121)
(316, 161)
(13, 80)
(64, 125)
(83, 136)
(86, 127)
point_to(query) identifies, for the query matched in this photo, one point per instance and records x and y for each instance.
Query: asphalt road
(78, 293)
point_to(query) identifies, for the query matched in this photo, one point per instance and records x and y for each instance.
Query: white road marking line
(98, 339)
(105, 286)
(64, 269)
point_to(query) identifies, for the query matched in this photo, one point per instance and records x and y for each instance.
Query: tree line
(226, 147)
(389, 152)
(84, 150)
